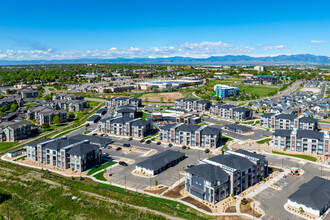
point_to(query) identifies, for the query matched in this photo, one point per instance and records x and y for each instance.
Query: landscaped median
(306, 157)
(263, 141)
(102, 167)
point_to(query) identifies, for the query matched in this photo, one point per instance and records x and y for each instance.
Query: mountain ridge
(227, 59)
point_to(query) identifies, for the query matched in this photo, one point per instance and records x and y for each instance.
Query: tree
(48, 97)
(45, 125)
(156, 182)
(56, 120)
(162, 99)
(4, 108)
(234, 97)
(13, 107)
(232, 195)
(301, 209)
(79, 115)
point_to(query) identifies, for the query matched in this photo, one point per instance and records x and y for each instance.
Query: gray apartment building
(66, 96)
(12, 100)
(288, 121)
(231, 112)
(125, 126)
(218, 177)
(116, 102)
(43, 114)
(14, 131)
(28, 93)
(198, 105)
(193, 135)
(78, 155)
(69, 102)
(307, 141)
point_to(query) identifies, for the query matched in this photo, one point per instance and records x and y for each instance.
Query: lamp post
(125, 182)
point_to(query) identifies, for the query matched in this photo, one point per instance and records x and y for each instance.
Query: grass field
(5, 145)
(264, 141)
(261, 91)
(144, 116)
(306, 157)
(100, 176)
(102, 167)
(28, 194)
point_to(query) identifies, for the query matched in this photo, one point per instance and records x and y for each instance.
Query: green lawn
(100, 176)
(144, 116)
(261, 91)
(20, 158)
(5, 145)
(102, 167)
(306, 157)
(218, 123)
(166, 106)
(226, 138)
(264, 141)
(92, 104)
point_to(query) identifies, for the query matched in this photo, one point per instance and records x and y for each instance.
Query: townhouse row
(288, 121)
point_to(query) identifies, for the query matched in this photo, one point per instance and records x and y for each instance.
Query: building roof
(310, 134)
(315, 193)
(208, 172)
(233, 161)
(308, 120)
(93, 118)
(58, 144)
(251, 154)
(82, 149)
(34, 144)
(160, 160)
(167, 127)
(286, 116)
(282, 132)
(121, 120)
(93, 139)
(188, 128)
(140, 122)
(123, 110)
(241, 109)
(211, 131)
(238, 127)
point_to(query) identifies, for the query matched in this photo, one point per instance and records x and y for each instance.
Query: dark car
(105, 154)
(87, 125)
(142, 140)
(158, 143)
(184, 147)
(123, 163)
(94, 134)
(170, 145)
(118, 148)
(189, 166)
(148, 141)
(126, 145)
(207, 151)
(130, 139)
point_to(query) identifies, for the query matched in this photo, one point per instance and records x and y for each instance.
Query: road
(323, 90)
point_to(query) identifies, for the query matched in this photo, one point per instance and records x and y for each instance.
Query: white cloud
(197, 50)
(318, 41)
(271, 47)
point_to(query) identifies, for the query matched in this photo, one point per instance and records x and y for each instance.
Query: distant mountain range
(213, 60)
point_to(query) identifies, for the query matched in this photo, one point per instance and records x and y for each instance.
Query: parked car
(130, 139)
(244, 201)
(190, 166)
(87, 125)
(142, 140)
(207, 151)
(158, 143)
(170, 145)
(126, 145)
(123, 163)
(148, 141)
(101, 135)
(118, 148)
(184, 147)
(105, 154)
(106, 135)
(94, 134)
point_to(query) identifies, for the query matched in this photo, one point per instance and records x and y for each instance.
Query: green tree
(4, 108)
(13, 107)
(48, 97)
(45, 125)
(234, 98)
(56, 120)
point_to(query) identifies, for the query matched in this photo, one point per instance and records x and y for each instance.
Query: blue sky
(39, 29)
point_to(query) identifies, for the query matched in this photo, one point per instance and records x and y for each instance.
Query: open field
(30, 194)
(314, 90)
(162, 96)
(306, 157)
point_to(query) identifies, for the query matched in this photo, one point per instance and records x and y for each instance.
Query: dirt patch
(196, 203)
(175, 192)
(230, 217)
(165, 97)
(160, 189)
(231, 209)
(248, 209)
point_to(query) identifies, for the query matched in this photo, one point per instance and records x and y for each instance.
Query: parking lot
(168, 177)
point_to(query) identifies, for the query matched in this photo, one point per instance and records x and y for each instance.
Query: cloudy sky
(38, 29)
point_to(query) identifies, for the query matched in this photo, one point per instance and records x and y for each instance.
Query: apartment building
(193, 135)
(224, 91)
(231, 112)
(120, 101)
(43, 114)
(198, 105)
(288, 121)
(66, 96)
(78, 155)
(307, 141)
(125, 126)
(28, 93)
(218, 177)
(14, 131)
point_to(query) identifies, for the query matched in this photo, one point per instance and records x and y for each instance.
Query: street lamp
(125, 182)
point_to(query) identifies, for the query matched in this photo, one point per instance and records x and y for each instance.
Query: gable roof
(211, 131)
(208, 172)
(233, 161)
(82, 149)
(160, 160)
(315, 193)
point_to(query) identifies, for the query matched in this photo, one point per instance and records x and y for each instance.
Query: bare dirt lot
(314, 90)
(165, 97)
(247, 209)
(231, 209)
(175, 192)
(196, 203)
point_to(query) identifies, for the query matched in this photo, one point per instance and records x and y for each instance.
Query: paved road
(323, 90)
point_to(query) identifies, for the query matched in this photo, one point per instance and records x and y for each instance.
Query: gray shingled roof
(211, 130)
(188, 128)
(121, 120)
(34, 144)
(286, 116)
(233, 161)
(160, 160)
(308, 120)
(315, 193)
(241, 109)
(167, 127)
(208, 172)
(58, 144)
(93, 139)
(140, 123)
(82, 149)
(251, 154)
(282, 132)
(126, 110)
(310, 134)
(238, 127)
